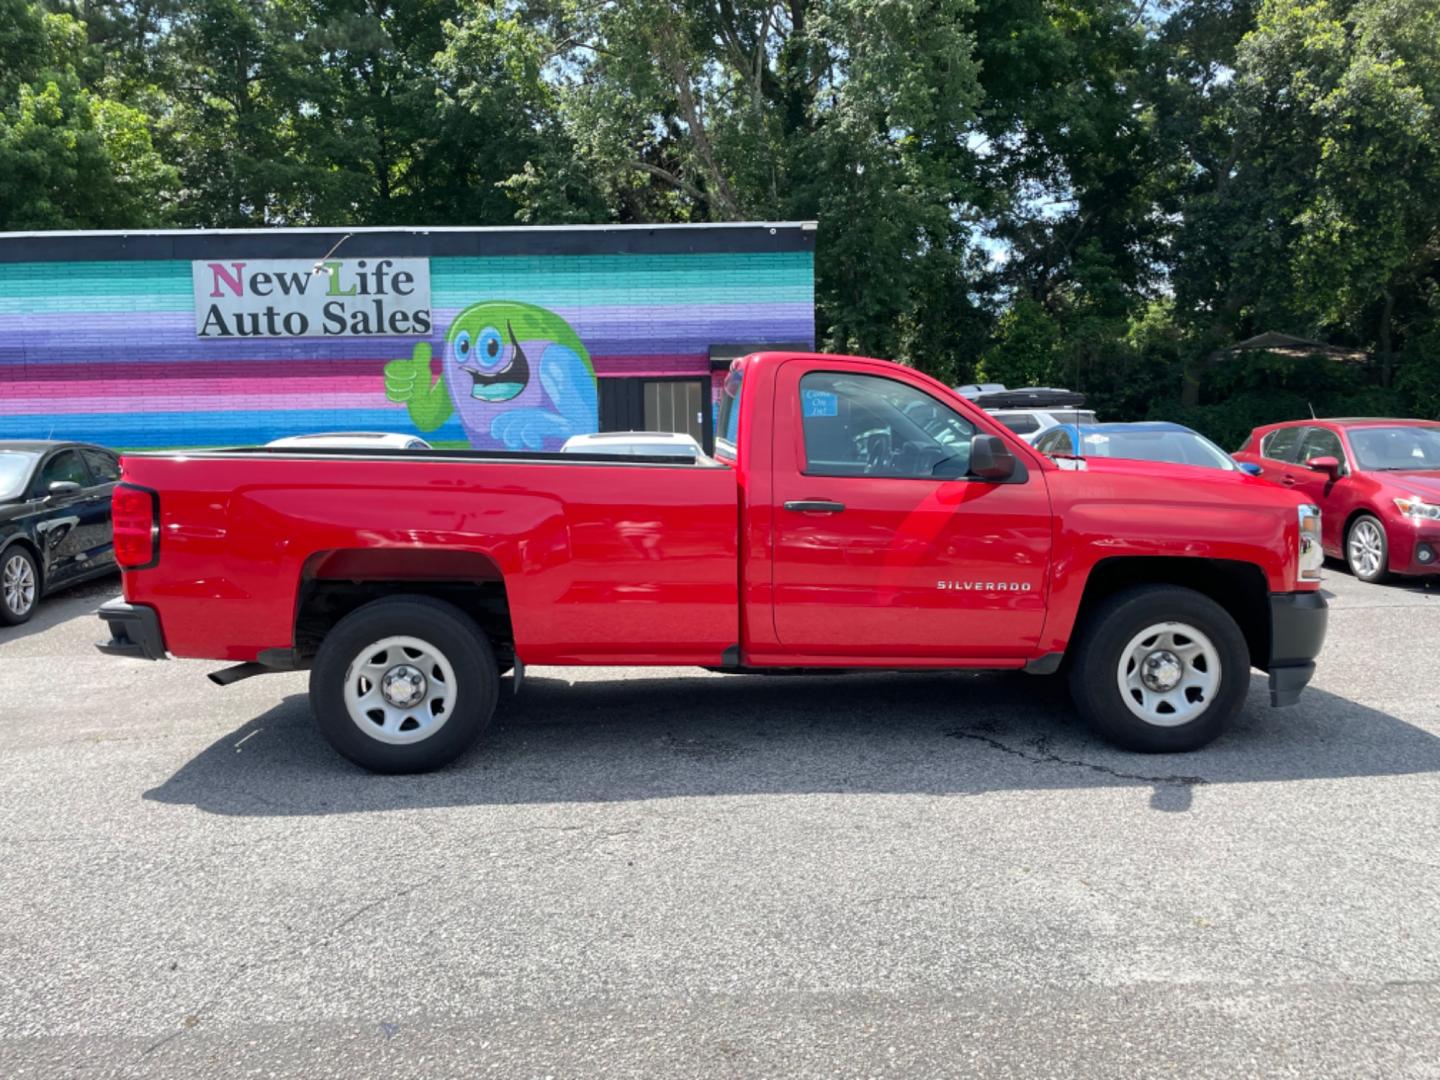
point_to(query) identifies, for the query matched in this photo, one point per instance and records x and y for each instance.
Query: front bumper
(1297, 631)
(134, 631)
(1414, 549)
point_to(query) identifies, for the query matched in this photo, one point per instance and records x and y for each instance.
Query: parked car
(353, 440)
(855, 514)
(1030, 411)
(1152, 440)
(54, 520)
(1377, 481)
(636, 444)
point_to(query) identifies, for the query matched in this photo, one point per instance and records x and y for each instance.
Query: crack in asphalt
(319, 941)
(1042, 756)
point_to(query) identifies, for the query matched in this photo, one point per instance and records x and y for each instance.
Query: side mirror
(990, 458)
(1249, 468)
(1328, 465)
(62, 487)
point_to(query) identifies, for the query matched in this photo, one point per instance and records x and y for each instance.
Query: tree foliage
(70, 156)
(1097, 193)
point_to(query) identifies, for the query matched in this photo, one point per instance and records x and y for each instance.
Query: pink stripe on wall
(372, 397)
(166, 371)
(172, 372)
(695, 364)
(224, 387)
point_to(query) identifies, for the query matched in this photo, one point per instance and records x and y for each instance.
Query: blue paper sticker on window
(820, 403)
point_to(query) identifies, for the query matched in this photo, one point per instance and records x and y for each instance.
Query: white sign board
(246, 298)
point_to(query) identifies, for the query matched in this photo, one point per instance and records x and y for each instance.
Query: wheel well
(335, 583)
(1238, 587)
(1363, 511)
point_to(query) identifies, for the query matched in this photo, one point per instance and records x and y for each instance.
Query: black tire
(15, 610)
(455, 639)
(1104, 639)
(1376, 573)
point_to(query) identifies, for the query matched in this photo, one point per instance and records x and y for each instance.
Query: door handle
(1289, 481)
(814, 506)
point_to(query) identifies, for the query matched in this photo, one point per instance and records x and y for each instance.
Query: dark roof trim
(743, 237)
(721, 355)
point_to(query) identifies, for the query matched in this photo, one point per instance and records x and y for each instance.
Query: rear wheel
(404, 684)
(19, 586)
(1160, 669)
(1367, 551)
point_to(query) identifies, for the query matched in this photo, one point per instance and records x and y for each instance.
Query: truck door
(883, 546)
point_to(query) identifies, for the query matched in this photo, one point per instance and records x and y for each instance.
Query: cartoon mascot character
(518, 375)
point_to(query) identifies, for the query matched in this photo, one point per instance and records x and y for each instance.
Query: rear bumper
(1297, 631)
(134, 631)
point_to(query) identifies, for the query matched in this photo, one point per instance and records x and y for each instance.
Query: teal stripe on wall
(550, 281)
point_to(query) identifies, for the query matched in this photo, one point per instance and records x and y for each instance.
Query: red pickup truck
(857, 514)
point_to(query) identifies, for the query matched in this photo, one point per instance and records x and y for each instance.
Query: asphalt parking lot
(668, 872)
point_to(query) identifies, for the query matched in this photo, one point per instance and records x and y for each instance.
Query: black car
(54, 520)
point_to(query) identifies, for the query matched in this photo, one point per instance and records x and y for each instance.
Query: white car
(636, 444)
(1030, 411)
(358, 440)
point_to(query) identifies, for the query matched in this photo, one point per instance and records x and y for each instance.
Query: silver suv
(1029, 411)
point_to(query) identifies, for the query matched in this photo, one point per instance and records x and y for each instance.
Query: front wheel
(1160, 669)
(404, 684)
(1367, 551)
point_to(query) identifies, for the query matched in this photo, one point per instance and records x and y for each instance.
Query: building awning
(1289, 345)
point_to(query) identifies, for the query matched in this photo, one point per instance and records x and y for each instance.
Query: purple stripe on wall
(155, 338)
(118, 388)
(237, 396)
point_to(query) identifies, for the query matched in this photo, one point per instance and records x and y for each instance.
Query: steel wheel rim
(18, 585)
(1155, 655)
(1366, 548)
(375, 690)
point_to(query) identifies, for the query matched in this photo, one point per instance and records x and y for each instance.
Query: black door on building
(669, 404)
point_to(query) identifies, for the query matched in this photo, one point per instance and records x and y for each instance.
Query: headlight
(1312, 555)
(1418, 509)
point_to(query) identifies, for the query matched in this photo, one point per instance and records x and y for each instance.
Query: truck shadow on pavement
(639, 738)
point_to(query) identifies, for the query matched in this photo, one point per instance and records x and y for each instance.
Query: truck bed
(602, 558)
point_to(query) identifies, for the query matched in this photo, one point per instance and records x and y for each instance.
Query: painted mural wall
(505, 354)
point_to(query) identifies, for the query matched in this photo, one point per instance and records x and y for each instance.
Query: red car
(1377, 483)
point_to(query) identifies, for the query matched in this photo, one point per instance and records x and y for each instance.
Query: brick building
(485, 337)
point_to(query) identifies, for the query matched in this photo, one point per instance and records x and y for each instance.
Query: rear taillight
(135, 515)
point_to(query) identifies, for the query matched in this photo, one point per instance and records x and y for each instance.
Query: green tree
(850, 111)
(1314, 200)
(70, 157)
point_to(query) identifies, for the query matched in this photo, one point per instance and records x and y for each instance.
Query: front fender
(1106, 516)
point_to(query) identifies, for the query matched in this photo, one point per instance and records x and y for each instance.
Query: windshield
(1396, 448)
(15, 468)
(730, 412)
(1174, 447)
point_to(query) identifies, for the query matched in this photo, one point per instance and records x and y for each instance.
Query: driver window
(866, 425)
(1281, 445)
(1320, 442)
